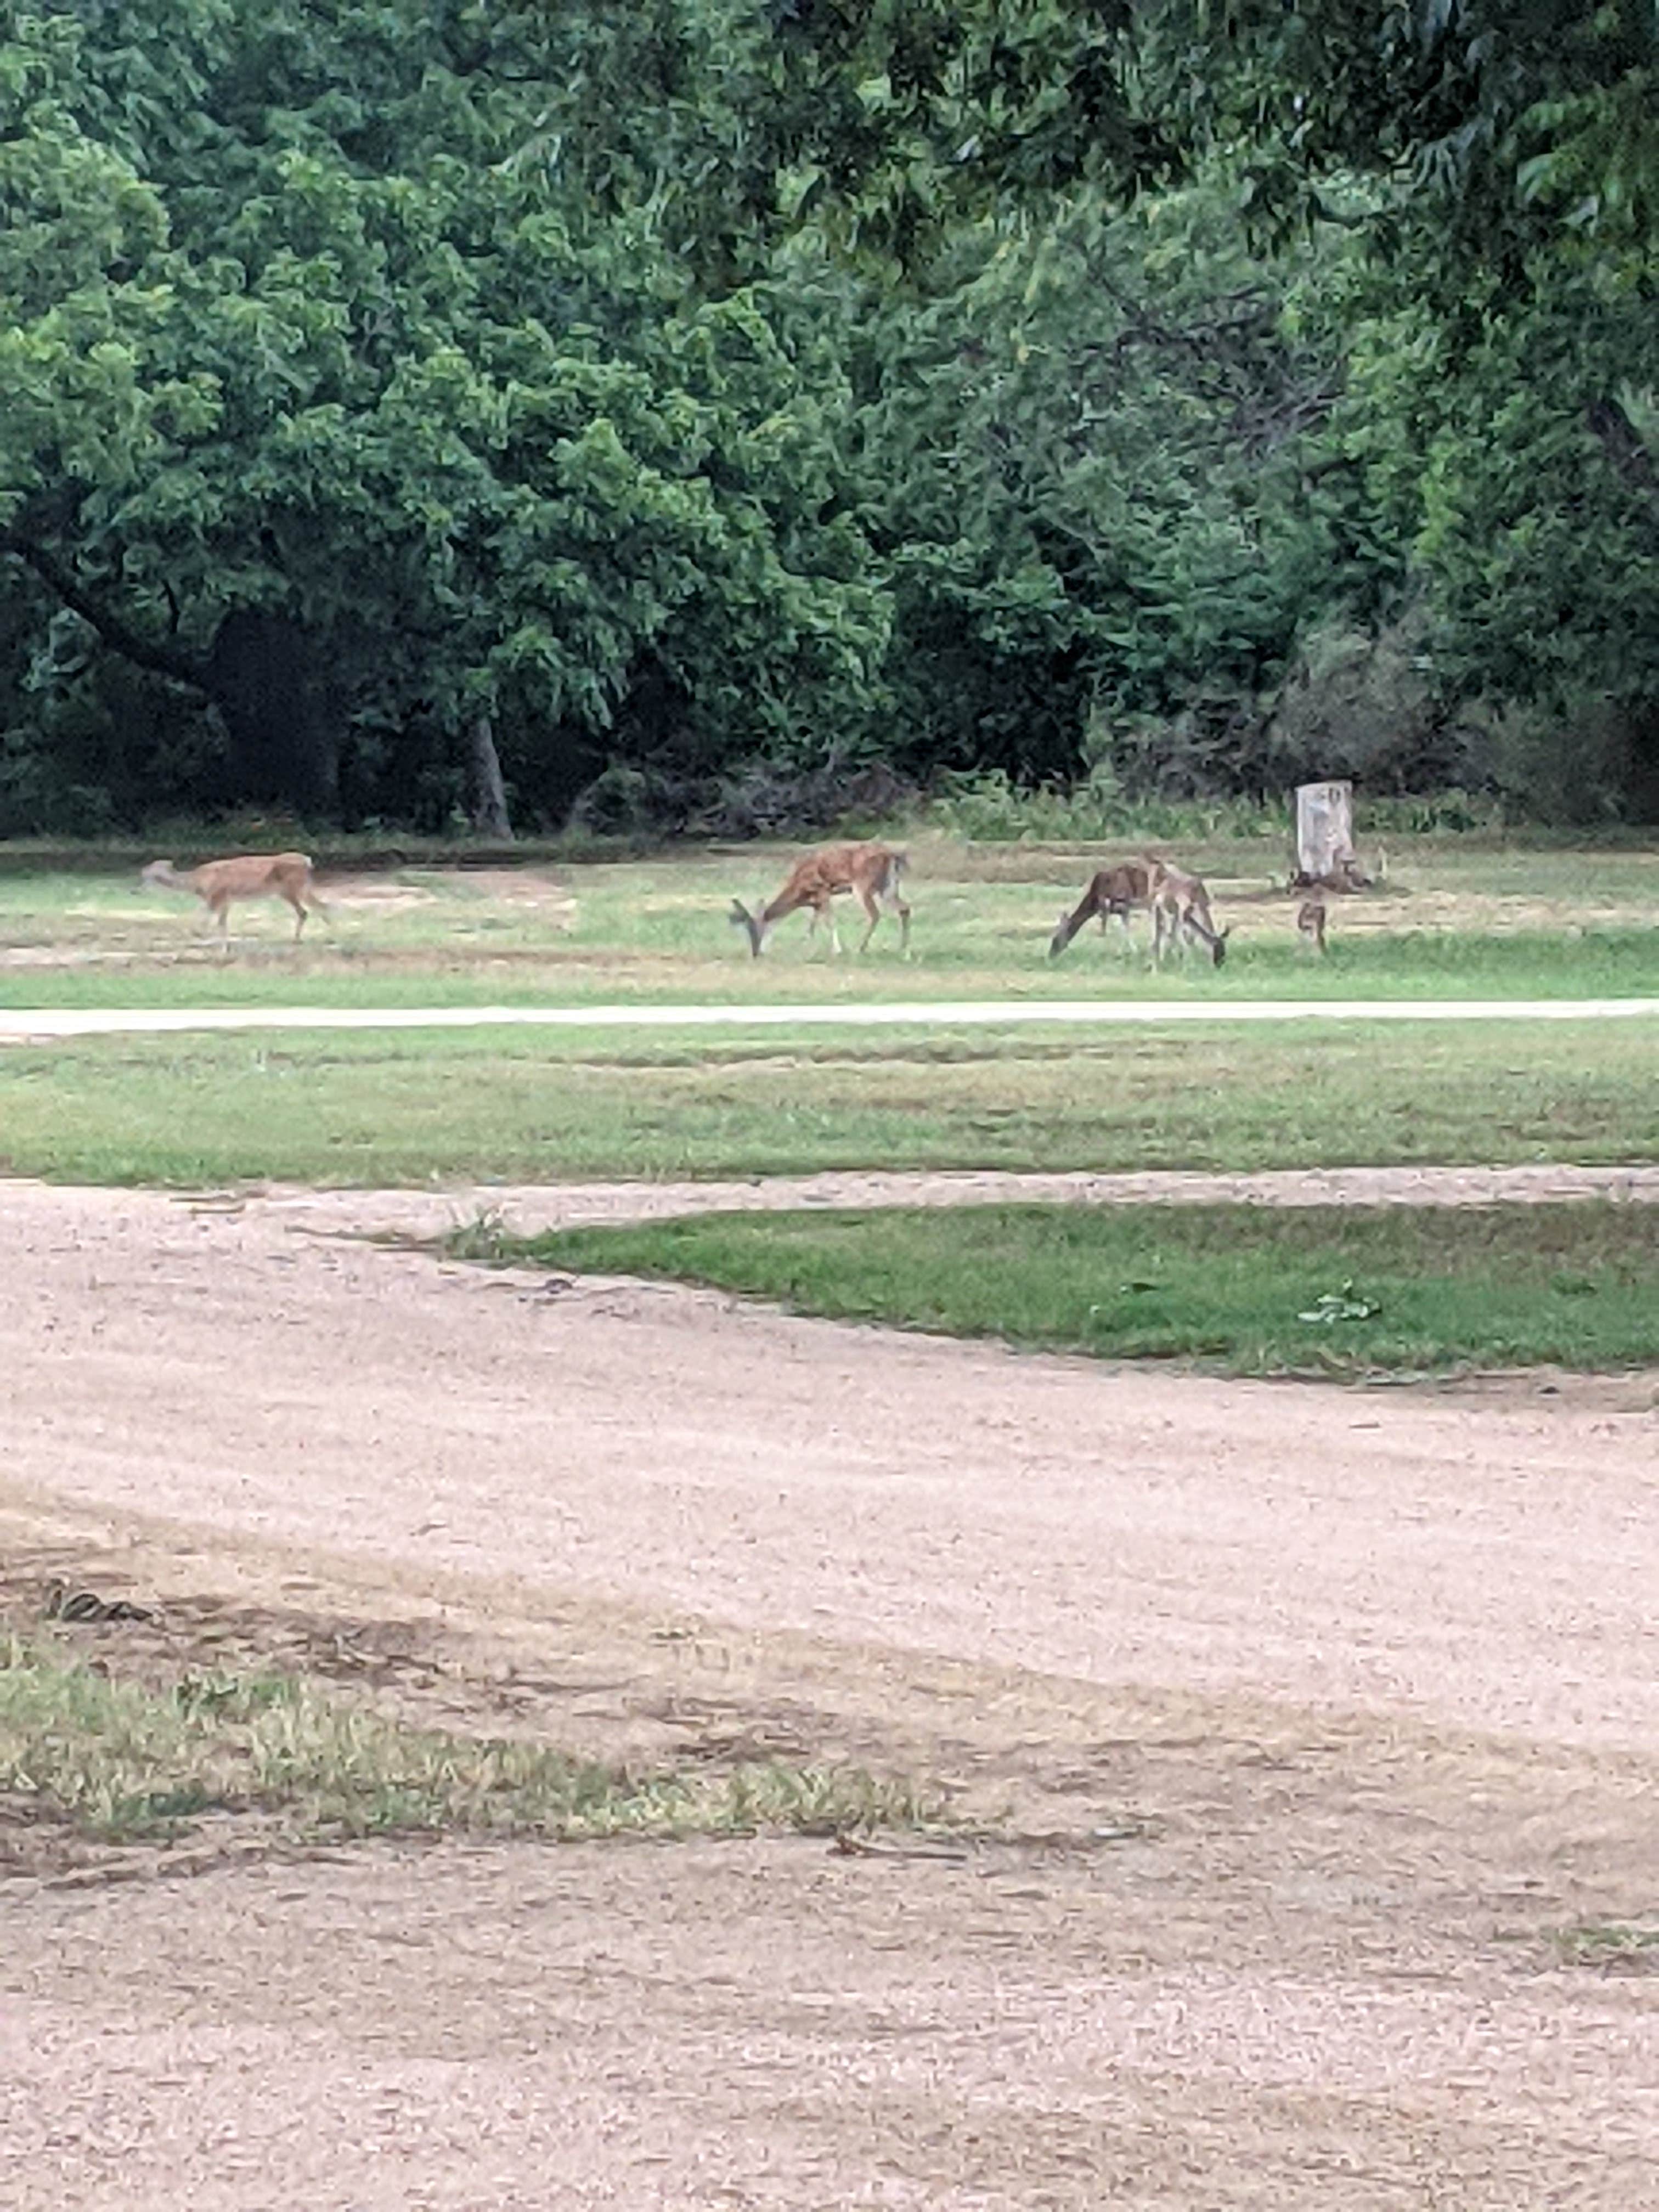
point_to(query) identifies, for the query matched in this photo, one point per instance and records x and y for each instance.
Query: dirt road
(1319, 1730)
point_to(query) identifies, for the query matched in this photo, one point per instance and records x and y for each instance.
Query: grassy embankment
(1246, 1289)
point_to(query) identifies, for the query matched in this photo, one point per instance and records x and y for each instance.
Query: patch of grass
(1615, 1946)
(1246, 1289)
(391, 1107)
(119, 1761)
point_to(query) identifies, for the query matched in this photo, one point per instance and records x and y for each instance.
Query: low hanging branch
(144, 652)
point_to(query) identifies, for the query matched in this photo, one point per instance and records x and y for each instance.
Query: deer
(870, 872)
(1181, 912)
(244, 875)
(1112, 893)
(1310, 924)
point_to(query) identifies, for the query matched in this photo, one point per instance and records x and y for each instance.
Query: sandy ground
(523, 1209)
(1310, 1726)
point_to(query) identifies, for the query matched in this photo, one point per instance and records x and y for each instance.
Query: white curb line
(43, 1024)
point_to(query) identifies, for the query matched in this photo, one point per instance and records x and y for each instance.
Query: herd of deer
(871, 873)
(1177, 902)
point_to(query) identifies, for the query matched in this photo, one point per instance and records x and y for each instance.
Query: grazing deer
(247, 876)
(1310, 924)
(1181, 912)
(1111, 894)
(870, 872)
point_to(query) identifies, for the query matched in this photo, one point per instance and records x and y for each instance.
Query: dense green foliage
(717, 399)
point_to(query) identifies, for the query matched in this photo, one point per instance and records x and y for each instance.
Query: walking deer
(244, 875)
(871, 873)
(1180, 913)
(1112, 893)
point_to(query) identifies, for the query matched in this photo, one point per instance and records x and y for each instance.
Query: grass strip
(697, 965)
(122, 1761)
(1245, 1290)
(392, 1109)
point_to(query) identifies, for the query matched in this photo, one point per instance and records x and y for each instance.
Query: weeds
(118, 1761)
(1615, 1946)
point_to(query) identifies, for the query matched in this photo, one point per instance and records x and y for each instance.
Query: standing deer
(245, 876)
(1181, 912)
(872, 872)
(1310, 924)
(1111, 894)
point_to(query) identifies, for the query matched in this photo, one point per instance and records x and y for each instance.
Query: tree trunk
(490, 815)
(1324, 833)
(265, 676)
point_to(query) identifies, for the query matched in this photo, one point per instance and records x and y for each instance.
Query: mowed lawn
(1247, 1290)
(1454, 919)
(1481, 922)
(409, 1107)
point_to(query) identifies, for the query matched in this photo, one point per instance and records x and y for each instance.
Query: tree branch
(143, 652)
(1623, 447)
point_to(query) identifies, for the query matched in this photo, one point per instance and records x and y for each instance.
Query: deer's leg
(823, 909)
(871, 906)
(1164, 925)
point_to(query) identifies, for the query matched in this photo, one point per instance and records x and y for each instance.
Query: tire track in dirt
(525, 1208)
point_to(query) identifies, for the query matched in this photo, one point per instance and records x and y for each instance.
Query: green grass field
(1477, 921)
(1246, 1289)
(1456, 919)
(405, 1107)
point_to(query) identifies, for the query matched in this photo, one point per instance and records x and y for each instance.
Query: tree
(1091, 456)
(334, 403)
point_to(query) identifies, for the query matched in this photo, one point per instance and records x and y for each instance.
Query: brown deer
(1180, 913)
(871, 873)
(1112, 893)
(245, 876)
(1310, 924)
